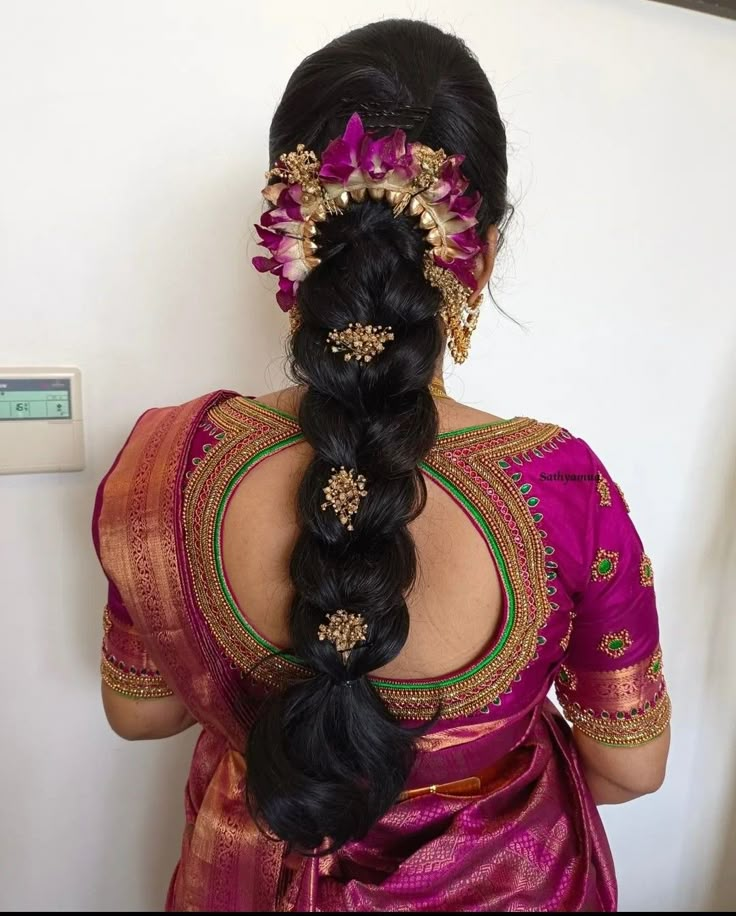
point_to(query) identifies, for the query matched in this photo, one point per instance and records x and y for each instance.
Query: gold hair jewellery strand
(458, 313)
(360, 341)
(344, 630)
(343, 492)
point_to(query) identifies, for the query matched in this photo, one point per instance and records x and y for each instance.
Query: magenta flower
(343, 156)
(357, 156)
(288, 262)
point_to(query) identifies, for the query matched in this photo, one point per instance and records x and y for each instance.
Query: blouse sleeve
(126, 665)
(611, 684)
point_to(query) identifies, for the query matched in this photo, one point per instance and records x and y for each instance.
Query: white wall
(133, 149)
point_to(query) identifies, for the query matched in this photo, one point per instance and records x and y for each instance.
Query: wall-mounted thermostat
(40, 420)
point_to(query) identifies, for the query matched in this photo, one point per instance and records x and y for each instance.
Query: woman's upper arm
(138, 702)
(611, 685)
(638, 770)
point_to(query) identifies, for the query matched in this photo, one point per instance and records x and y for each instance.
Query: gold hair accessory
(360, 341)
(344, 631)
(437, 388)
(426, 183)
(459, 314)
(300, 167)
(344, 492)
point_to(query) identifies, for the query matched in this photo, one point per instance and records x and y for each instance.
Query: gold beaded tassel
(343, 492)
(344, 631)
(360, 341)
(458, 313)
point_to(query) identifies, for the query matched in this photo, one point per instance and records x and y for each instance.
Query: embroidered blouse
(579, 598)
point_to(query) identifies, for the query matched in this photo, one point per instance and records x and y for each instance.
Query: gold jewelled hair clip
(344, 631)
(360, 341)
(343, 492)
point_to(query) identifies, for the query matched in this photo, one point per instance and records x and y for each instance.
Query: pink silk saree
(496, 814)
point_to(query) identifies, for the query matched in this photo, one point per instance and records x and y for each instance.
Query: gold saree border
(624, 707)
(626, 732)
(138, 526)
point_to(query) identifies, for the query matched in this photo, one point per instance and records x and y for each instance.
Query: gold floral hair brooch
(344, 630)
(411, 177)
(343, 492)
(360, 341)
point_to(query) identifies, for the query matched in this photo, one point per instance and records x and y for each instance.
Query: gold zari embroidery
(604, 565)
(138, 686)
(566, 679)
(565, 641)
(655, 669)
(646, 574)
(604, 491)
(623, 498)
(627, 731)
(615, 644)
(470, 463)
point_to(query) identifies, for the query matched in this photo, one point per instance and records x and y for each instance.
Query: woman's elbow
(129, 724)
(129, 734)
(646, 783)
(145, 719)
(630, 772)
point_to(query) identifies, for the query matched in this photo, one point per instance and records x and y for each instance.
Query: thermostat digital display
(41, 419)
(35, 399)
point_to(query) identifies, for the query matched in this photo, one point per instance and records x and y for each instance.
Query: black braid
(325, 758)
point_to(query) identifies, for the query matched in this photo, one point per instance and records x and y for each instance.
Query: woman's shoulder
(159, 426)
(540, 438)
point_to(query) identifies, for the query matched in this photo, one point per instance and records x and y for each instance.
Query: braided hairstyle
(325, 758)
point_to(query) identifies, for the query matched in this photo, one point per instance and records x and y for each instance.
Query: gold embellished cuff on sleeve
(132, 683)
(126, 666)
(627, 731)
(623, 708)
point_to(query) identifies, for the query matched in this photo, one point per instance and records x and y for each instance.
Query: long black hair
(325, 758)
